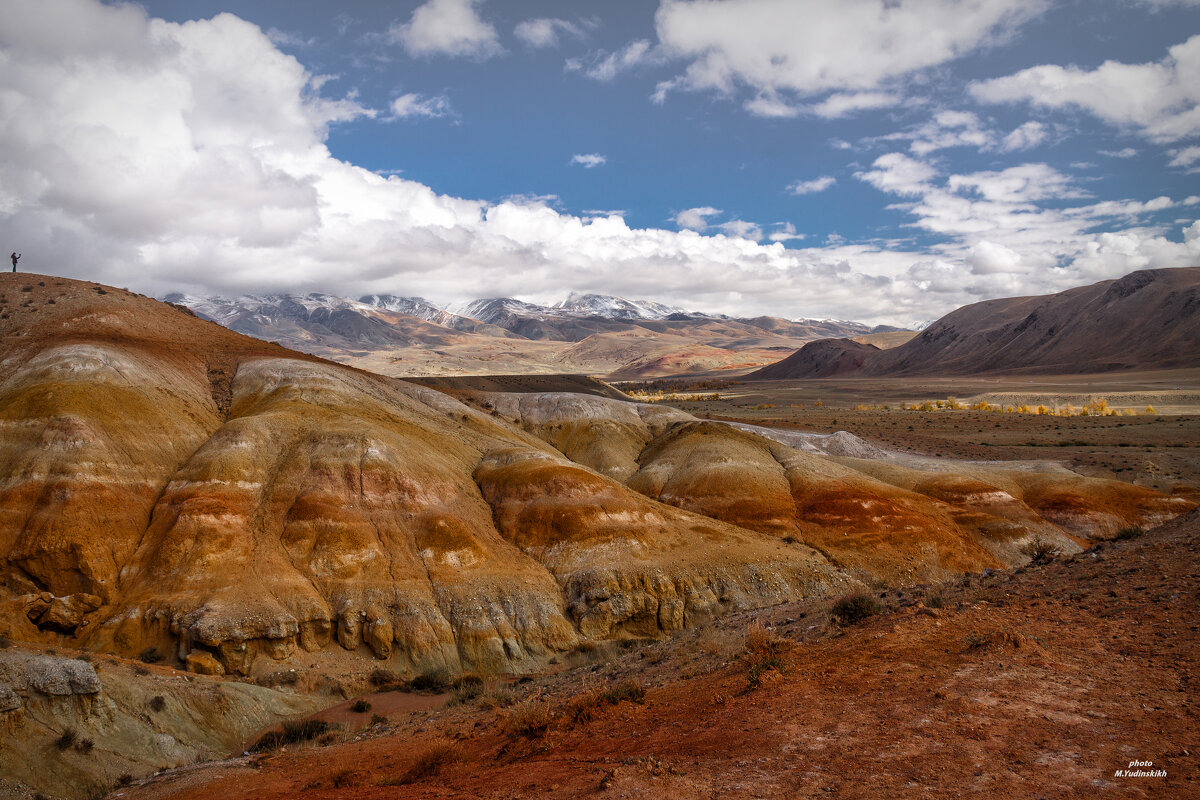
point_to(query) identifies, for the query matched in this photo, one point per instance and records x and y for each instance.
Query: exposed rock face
(293, 505)
(171, 484)
(137, 722)
(23, 673)
(631, 566)
(203, 663)
(876, 516)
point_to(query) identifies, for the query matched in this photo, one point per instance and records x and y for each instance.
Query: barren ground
(1041, 682)
(1160, 451)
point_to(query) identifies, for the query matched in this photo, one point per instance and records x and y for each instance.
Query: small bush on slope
(855, 608)
(763, 653)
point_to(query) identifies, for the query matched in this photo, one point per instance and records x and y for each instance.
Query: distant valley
(589, 334)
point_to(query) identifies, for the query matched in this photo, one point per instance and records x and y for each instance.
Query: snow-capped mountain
(493, 310)
(605, 305)
(265, 306)
(338, 327)
(413, 306)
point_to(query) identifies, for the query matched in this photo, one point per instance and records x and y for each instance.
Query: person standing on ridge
(15, 258)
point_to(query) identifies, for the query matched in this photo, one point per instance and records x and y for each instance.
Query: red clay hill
(173, 486)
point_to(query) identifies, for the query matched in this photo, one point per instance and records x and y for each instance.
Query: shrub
(85, 745)
(935, 600)
(629, 690)
(1040, 550)
(158, 703)
(434, 681)
(343, 778)
(378, 719)
(1130, 532)
(497, 698)
(584, 706)
(763, 653)
(150, 656)
(429, 762)
(5, 642)
(124, 780)
(383, 678)
(467, 688)
(291, 733)
(530, 719)
(66, 739)
(360, 706)
(854, 608)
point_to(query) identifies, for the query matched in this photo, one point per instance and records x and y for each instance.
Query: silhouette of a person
(15, 258)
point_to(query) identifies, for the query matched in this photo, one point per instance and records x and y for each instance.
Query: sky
(876, 160)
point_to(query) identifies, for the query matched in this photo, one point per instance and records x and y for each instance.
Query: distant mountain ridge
(586, 333)
(1149, 319)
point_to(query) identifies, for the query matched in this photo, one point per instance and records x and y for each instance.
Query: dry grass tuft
(855, 608)
(431, 761)
(530, 720)
(763, 653)
(596, 695)
(1006, 640)
(343, 778)
(466, 688)
(1041, 551)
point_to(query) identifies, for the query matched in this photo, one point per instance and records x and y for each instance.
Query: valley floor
(1039, 682)
(1159, 450)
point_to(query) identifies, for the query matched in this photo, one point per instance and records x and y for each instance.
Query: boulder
(65, 614)
(203, 663)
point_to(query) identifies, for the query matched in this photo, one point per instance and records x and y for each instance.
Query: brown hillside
(824, 358)
(238, 507)
(1149, 319)
(1038, 682)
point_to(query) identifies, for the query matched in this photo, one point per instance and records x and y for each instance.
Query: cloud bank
(193, 156)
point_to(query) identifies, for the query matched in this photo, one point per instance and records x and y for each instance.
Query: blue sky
(877, 161)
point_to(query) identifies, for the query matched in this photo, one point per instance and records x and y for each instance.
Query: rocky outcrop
(24, 673)
(121, 721)
(630, 566)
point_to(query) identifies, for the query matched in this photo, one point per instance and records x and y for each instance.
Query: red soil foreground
(1037, 683)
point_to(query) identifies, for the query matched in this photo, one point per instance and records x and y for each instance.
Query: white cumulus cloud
(193, 157)
(416, 105)
(821, 46)
(812, 186)
(605, 66)
(447, 28)
(1186, 156)
(898, 174)
(543, 32)
(1024, 137)
(696, 219)
(588, 160)
(1159, 99)
(742, 229)
(845, 103)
